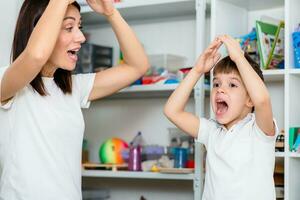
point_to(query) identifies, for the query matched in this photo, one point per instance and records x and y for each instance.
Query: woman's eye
(69, 29)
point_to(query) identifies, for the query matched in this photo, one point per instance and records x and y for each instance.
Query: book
(292, 137)
(270, 40)
(276, 56)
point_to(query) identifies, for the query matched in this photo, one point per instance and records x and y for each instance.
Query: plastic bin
(168, 61)
(296, 45)
(95, 194)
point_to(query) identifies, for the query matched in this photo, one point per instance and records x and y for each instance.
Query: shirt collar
(240, 123)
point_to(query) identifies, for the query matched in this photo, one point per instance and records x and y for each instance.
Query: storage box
(168, 61)
(91, 57)
(95, 194)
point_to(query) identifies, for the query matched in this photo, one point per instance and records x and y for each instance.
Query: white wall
(8, 16)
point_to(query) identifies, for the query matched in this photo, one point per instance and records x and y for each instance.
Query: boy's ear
(249, 103)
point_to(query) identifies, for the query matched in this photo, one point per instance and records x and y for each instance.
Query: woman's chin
(69, 68)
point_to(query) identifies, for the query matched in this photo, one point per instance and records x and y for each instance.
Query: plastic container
(95, 194)
(180, 155)
(296, 45)
(168, 61)
(152, 152)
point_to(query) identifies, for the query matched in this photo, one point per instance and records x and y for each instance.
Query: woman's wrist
(111, 14)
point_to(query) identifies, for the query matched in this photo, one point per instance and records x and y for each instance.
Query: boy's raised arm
(175, 106)
(255, 86)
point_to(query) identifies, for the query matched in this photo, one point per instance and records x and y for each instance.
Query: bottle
(135, 158)
(135, 153)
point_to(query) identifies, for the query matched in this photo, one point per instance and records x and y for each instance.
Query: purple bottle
(135, 158)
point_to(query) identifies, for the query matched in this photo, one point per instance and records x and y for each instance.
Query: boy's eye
(216, 85)
(232, 85)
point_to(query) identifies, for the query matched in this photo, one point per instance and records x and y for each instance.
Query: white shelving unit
(164, 27)
(236, 18)
(136, 175)
(180, 27)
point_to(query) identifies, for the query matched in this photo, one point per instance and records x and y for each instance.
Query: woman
(40, 112)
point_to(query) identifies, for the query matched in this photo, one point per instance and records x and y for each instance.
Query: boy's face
(229, 99)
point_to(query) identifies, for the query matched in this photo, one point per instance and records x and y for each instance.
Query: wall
(8, 16)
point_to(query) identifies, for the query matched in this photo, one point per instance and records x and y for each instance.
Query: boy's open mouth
(222, 106)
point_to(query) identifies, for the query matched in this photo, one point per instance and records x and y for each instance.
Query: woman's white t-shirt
(41, 141)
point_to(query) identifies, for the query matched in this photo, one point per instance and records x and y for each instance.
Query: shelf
(256, 4)
(145, 91)
(142, 10)
(279, 154)
(150, 88)
(294, 155)
(148, 91)
(274, 75)
(294, 71)
(136, 175)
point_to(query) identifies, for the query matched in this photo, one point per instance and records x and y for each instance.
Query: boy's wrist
(240, 60)
(197, 72)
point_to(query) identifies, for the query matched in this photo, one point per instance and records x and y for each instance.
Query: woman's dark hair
(30, 13)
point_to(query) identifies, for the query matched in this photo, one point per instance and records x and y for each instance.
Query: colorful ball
(110, 151)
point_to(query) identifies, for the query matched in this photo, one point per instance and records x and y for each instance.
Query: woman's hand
(209, 57)
(233, 47)
(104, 7)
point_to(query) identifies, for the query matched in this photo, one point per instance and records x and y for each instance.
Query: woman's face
(69, 41)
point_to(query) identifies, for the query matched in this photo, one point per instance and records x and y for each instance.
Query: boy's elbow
(168, 112)
(263, 101)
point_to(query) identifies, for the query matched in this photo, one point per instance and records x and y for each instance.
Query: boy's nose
(220, 90)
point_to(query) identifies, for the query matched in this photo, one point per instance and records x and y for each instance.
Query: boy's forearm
(180, 96)
(253, 83)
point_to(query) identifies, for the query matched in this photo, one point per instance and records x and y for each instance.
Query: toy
(110, 151)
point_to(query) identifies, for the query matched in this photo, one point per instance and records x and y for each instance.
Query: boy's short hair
(226, 66)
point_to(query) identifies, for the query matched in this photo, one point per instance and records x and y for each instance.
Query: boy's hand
(209, 57)
(233, 47)
(104, 7)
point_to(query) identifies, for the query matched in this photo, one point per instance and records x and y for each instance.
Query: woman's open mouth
(73, 55)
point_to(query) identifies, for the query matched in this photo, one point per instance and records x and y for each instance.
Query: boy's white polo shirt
(240, 161)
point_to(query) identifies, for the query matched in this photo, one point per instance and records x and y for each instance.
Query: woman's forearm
(133, 52)
(43, 38)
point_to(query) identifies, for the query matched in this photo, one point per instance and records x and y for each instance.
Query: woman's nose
(80, 37)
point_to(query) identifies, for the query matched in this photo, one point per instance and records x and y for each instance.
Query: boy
(240, 144)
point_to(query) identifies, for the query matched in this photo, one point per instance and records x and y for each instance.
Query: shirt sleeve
(205, 127)
(8, 104)
(83, 85)
(262, 135)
